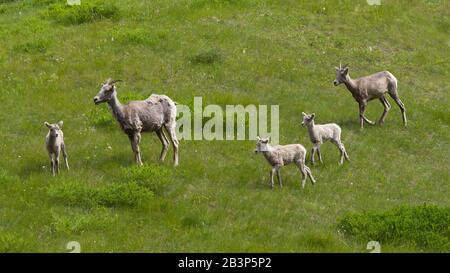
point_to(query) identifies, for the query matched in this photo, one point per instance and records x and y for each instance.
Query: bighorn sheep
(281, 155)
(150, 115)
(371, 87)
(320, 133)
(54, 142)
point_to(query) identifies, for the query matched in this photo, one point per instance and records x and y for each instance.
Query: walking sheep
(54, 142)
(281, 155)
(150, 115)
(320, 133)
(371, 87)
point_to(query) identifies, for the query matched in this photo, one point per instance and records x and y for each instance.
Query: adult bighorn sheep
(371, 87)
(154, 114)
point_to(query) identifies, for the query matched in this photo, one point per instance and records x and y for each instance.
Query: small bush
(79, 222)
(154, 178)
(116, 194)
(133, 36)
(88, 11)
(38, 46)
(11, 242)
(206, 56)
(100, 116)
(6, 178)
(193, 221)
(426, 227)
(44, 2)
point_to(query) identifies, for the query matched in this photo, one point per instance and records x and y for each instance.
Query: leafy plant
(426, 227)
(206, 56)
(152, 177)
(88, 11)
(75, 193)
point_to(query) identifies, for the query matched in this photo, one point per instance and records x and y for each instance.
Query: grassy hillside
(53, 60)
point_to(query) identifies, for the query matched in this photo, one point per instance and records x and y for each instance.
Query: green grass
(54, 58)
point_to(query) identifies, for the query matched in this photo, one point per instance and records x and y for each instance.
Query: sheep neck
(51, 139)
(351, 85)
(116, 107)
(311, 125)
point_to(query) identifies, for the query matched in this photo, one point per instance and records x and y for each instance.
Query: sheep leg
(308, 172)
(175, 143)
(402, 107)
(362, 108)
(301, 166)
(279, 177)
(387, 107)
(341, 148)
(52, 164)
(165, 143)
(271, 177)
(318, 153)
(362, 118)
(313, 151)
(63, 149)
(135, 139)
(56, 164)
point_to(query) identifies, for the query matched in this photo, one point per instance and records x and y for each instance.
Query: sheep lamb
(320, 133)
(54, 142)
(281, 155)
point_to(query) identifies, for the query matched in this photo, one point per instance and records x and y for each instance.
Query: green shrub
(7, 178)
(193, 221)
(45, 2)
(88, 11)
(38, 46)
(134, 36)
(426, 227)
(100, 117)
(75, 193)
(79, 222)
(11, 242)
(206, 56)
(152, 177)
(123, 194)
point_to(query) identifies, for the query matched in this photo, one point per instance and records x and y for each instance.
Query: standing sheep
(320, 133)
(371, 87)
(54, 142)
(154, 114)
(281, 155)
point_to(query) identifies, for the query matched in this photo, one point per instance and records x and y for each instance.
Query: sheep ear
(60, 124)
(47, 124)
(258, 138)
(303, 114)
(337, 68)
